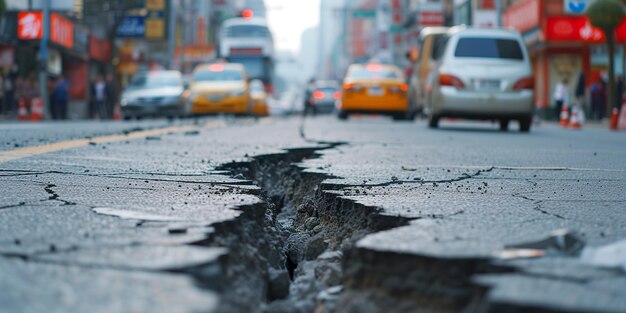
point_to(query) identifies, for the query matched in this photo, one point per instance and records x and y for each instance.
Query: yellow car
(219, 88)
(375, 88)
(259, 99)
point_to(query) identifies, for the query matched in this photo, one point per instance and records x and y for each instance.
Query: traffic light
(247, 13)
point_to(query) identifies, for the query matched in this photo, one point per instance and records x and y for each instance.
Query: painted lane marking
(21, 153)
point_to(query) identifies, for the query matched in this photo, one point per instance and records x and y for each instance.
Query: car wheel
(504, 125)
(343, 115)
(524, 124)
(433, 120)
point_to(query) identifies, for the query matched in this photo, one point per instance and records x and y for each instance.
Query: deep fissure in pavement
(297, 252)
(306, 229)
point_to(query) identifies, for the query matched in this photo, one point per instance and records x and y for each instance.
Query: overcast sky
(289, 18)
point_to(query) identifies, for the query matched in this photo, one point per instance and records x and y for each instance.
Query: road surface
(314, 215)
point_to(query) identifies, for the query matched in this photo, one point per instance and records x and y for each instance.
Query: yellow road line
(71, 144)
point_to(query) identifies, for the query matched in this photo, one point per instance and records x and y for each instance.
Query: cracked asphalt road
(161, 223)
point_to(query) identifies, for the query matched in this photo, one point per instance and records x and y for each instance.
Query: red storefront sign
(99, 49)
(61, 30)
(431, 19)
(578, 28)
(30, 26)
(523, 16)
(430, 14)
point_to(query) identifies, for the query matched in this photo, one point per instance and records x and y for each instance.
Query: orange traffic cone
(575, 122)
(564, 121)
(117, 112)
(36, 109)
(614, 119)
(22, 110)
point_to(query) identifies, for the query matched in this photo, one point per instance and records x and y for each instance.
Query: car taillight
(525, 83)
(319, 95)
(352, 87)
(399, 88)
(450, 80)
(337, 95)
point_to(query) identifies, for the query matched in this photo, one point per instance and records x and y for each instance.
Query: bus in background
(248, 41)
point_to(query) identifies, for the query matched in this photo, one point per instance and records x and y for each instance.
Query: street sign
(576, 6)
(132, 26)
(363, 14)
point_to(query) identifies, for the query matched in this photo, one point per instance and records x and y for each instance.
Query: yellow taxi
(377, 89)
(219, 88)
(259, 99)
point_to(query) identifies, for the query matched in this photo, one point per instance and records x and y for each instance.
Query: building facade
(562, 45)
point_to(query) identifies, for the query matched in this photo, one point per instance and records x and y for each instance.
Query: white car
(483, 74)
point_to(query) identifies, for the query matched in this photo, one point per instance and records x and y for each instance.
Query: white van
(483, 74)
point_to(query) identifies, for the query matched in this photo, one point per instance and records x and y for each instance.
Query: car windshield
(246, 31)
(361, 73)
(492, 48)
(224, 75)
(155, 81)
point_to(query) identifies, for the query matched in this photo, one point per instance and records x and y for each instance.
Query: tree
(607, 15)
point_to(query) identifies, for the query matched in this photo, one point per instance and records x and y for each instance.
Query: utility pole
(43, 57)
(171, 34)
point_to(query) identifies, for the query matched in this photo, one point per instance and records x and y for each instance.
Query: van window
(493, 48)
(439, 46)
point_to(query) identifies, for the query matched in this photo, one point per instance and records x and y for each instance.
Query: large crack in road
(276, 232)
(316, 229)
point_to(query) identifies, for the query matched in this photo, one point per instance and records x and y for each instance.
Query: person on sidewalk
(111, 94)
(597, 101)
(9, 86)
(579, 93)
(561, 94)
(98, 92)
(61, 98)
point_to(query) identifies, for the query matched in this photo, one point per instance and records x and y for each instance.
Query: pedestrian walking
(60, 98)
(579, 93)
(598, 100)
(110, 94)
(561, 94)
(98, 96)
(9, 88)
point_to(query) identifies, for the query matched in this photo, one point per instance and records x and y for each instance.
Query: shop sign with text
(578, 28)
(30, 26)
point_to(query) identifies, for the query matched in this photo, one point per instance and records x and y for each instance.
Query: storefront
(562, 46)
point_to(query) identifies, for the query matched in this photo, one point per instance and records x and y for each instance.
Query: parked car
(219, 88)
(154, 93)
(324, 97)
(483, 74)
(375, 89)
(259, 97)
(431, 45)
